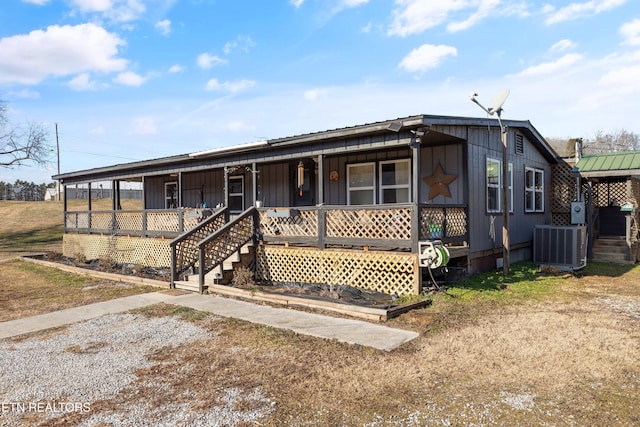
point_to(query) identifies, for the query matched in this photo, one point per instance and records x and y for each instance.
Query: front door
(305, 194)
(236, 194)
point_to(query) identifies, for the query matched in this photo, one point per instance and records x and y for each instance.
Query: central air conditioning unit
(561, 247)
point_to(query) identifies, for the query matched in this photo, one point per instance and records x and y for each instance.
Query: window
(170, 195)
(361, 182)
(236, 194)
(494, 186)
(395, 181)
(534, 190)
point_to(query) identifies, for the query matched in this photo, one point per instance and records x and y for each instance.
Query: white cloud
(207, 61)
(415, 16)
(144, 125)
(93, 5)
(176, 69)
(547, 68)
(296, 3)
(631, 32)
(83, 82)
(579, 10)
(242, 42)
(426, 57)
(230, 86)
(129, 78)
(347, 4)
(563, 45)
(59, 51)
(315, 94)
(485, 8)
(119, 11)
(36, 2)
(164, 27)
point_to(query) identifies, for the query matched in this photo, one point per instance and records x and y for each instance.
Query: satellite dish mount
(495, 106)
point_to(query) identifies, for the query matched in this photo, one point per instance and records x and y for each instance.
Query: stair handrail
(224, 242)
(184, 248)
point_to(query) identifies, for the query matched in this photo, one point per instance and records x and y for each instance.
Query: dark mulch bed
(343, 294)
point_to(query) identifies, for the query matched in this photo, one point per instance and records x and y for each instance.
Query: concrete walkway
(345, 330)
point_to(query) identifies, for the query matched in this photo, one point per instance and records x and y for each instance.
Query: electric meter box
(578, 216)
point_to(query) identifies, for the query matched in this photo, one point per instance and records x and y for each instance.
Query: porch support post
(179, 189)
(113, 195)
(415, 195)
(322, 213)
(226, 194)
(89, 191)
(64, 204)
(320, 179)
(144, 194)
(254, 178)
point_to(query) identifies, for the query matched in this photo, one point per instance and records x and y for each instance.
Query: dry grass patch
(547, 361)
(28, 289)
(29, 227)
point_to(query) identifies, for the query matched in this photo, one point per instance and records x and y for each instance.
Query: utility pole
(495, 107)
(58, 155)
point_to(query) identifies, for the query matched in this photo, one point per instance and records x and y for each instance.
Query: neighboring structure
(610, 187)
(344, 206)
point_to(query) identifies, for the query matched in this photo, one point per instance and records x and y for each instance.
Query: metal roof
(275, 147)
(610, 165)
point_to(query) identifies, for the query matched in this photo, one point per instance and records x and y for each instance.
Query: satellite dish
(495, 106)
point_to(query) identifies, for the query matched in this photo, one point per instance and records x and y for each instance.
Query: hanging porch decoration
(300, 176)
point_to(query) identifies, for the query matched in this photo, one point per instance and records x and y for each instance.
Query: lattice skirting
(388, 272)
(121, 249)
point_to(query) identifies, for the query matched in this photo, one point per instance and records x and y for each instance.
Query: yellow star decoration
(439, 183)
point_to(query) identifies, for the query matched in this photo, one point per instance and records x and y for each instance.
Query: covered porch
(344, 207)
(610, 187)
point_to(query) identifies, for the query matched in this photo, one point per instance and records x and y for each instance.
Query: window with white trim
(361, 183)
(395, 181)
(494, 186)
(534, 190)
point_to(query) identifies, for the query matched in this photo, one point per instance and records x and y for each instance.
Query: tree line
(24, 191)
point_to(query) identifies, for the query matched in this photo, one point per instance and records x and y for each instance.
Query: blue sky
(129, 80)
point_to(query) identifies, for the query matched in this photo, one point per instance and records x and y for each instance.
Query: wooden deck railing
(384, 226)
(216, 248)
(381, 226)
(184, 248)
(144, 223)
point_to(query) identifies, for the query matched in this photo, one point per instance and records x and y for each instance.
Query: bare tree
(618, 141)
(22, 145)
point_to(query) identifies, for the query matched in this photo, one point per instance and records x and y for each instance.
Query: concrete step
(610, 249)
(603, 256)
(187, 286)
(610, 242)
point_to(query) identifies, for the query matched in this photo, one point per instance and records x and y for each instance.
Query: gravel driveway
(43, 378)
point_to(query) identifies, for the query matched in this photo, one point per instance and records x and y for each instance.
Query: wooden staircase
(219, 275)
(211, 249)
(610, 249)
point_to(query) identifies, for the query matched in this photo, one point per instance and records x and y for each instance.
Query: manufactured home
(350, 206)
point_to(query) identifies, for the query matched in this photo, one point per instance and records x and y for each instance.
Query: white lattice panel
(122, 249)
(388, 272)
(390, 223)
